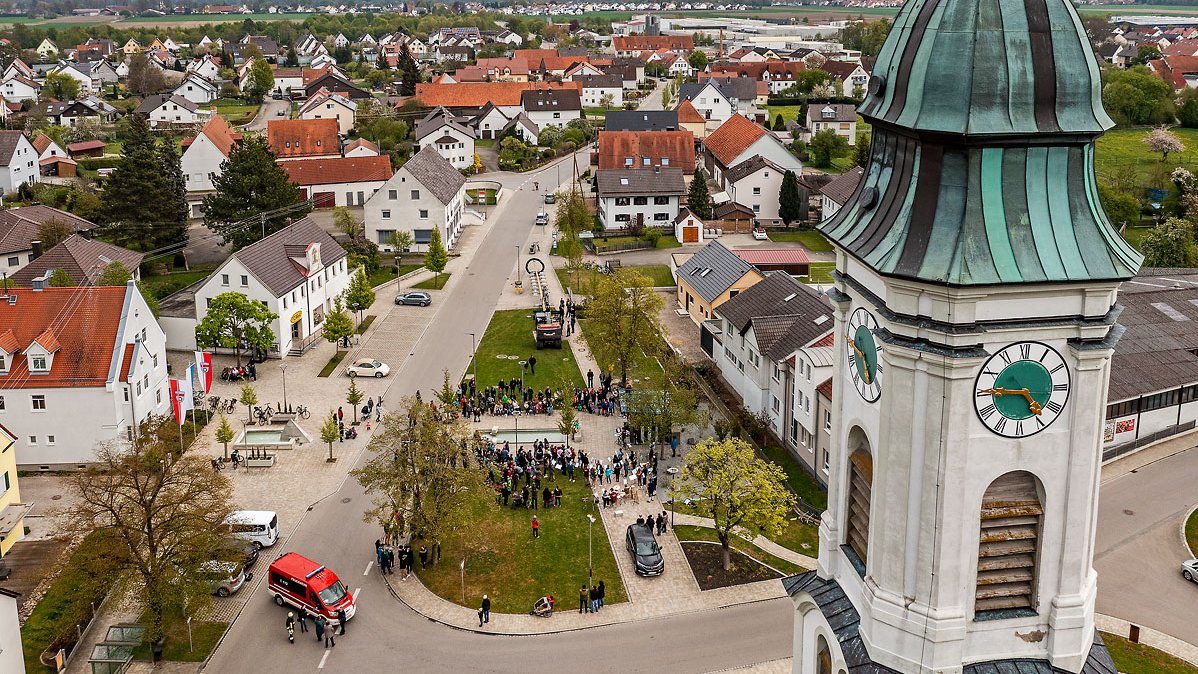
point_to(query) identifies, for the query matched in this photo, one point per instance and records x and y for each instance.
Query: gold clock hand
(865, 370)
(1023, 392)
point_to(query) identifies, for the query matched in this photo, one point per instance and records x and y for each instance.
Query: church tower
(976, 283)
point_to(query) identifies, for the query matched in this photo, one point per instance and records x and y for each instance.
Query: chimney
(37, 250)
(39, 284)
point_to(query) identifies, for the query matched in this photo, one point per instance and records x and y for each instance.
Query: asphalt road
(383, 629)
(1139, 549)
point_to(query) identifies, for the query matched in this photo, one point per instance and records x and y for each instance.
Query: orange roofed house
(203, 154)
(339, 181)
(631, 45)
(303, 138)
(474, 95)
(647, 150)
(78, 367)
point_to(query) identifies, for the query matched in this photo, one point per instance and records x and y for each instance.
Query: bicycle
(302, 412)
(230, 406)
(214, 403)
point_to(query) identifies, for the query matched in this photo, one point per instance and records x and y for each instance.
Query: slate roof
(542, 100)
(845, 622)
(732, 138)
(435, 172)
(750, 166)
(840, 188)
(725, 270)
(85, 336)
(615, 147)
(290, 138)
(437, 120)
(330, 170)
(785, 314)
(600, 81)
(1157, 353)
(8, 145)
(841, 112)
(641, 120)
(19, 226)
(269, 262)
(666, 181)
(81, 258)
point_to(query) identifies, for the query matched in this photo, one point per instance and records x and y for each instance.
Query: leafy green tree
(401, 241)
(624, 318)
(234, 321)
(699, 198)
(60, 87)
(779, 123)
(262, 80)
(1187, 114)
(53, 232)
(337, 324)
(359, 292)
(565, 423)
(248, 398)
(697, 60)
(144, 77)
(59, 278)
(437, 257)
(174, 213)
(790, 199)
(377, 78)
(1136, 96)
(446, 394)
(224, 434)
(114, 274)
(826, 146)
(865, 36)
(861, 151)
(1121, 208)
(251, 183)
(354, 396)
(330, 432)
(138, 194)
(1170, 244)
(729, 484)
(344, 221)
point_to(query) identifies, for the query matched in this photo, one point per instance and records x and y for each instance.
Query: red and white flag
(181, 398)
(203, 381)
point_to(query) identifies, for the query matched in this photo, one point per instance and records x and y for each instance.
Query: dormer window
(3, 362)
(38, 364)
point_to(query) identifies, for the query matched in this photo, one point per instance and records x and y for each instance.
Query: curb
(1182, 530)
(475, 630)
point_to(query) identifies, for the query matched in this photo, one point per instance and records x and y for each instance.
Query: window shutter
(1009, 539)
(861, 478)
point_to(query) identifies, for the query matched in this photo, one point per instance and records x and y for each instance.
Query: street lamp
(523, 369)
(590, 566)
(283, 369)
(474, 358)
(357, 310)
(519, 276)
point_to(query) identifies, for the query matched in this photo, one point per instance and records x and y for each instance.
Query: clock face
(865, 354)
(1022, 389)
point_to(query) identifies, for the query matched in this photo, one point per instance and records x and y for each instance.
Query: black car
(238, 550)
(646, 553)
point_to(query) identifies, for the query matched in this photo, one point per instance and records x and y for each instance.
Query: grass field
(437, 282)
(1140, 659)
(690, 533)
(587, 279)
(1122, 157)
(512, 568)
(510, 335)
(1192, 532)
(166, 284)
(811, 239)
(644, 372)
(192, 19)
(820, 272)
(235, 111)
(204, 636)
(383, 274)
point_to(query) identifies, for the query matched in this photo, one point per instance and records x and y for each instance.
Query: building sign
(295, 318)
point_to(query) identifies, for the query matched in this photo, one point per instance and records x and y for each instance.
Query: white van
(260, 527)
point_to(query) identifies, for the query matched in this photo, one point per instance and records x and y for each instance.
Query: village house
(339, 181)
(710, 277)
(649, 197)
(601, 90)
(426, 192)
(647, 150)
(53, 160)
(360, 147)
(708, 100)
(197, 89)
(640, 120)
(839, 117)
(83, 259)
(691, 119)
(12, 529)
(326, 104)
(19, 88)
(738, 140)
(204, 154)
(489, 123)
(20, 240)
(551, 107)
(18, 161)
(47, 50)
(293, 139)
(836, 192)
(631, 45)
(451, 139)
(70, 380)
(757, 182)
(170, 109)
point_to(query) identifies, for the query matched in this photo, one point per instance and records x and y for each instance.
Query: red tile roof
(772, 255)
(81, 323)
(732, 138)
(289, 138)
(220, 133)
(127, 362)
(616, 146)
(688, 114)
(8, 342)
(642, 42)
(478, 94)
(41, 142)
(338, 170)
(827, 340)
(86, 145)
(825, 389)
(783, 70)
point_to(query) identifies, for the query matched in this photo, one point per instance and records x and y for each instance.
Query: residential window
(38, 403)
(32, 441)
(393, 194)
(424, 214)
(623, 217)
(623, 201)
(756, 190)
(224, 279)
(49, 441)
(777, 373)
(6, 483)
(415, 194)
(827, 420)
(38, 364)
(640, 201)
(139, 388)
(756, 208)
(158, 397)
(661, 201)
(3, 363)
(126, 390)
(1009, 540)
(665, 161)
(14, 261)
(776, 405)
(245, 280)
(661, 217)
(627, 162)
(154, 358)
(1, 403)
(645, 161)
(386, 215)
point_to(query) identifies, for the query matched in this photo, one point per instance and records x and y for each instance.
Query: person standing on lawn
(602, 593)
(536, 527)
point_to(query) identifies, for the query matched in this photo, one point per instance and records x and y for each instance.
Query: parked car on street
(550, 198)
(368, 367)
(542, 218)
(240, 550)
(225, 578)
(415, 297)
(1189, 570)
(259, 527)
(759, 234)
(646, 553)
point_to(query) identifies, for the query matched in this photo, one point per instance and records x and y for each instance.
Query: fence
(1125, 448)
(619, 246)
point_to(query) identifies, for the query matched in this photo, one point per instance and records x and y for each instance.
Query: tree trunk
(330, 452)
(725, 555)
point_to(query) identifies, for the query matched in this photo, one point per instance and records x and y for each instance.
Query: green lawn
(167, 284)
(1140, 659)
(1192, 532)
(512, 568)
(510, 334)
(437, 282)
(177, 648)
(800, 480)
(331, 366)
(644, 372)
(210, 18)
(386, 273)
(587, 279)
(789, 112)
(691, 533)
(1135, 235)
(811, 239)
(1121, 156)
(799, 537)
(820, 272)
(235, 110)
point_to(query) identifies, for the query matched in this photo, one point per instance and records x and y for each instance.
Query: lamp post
(523, 369)
(357, 310)
(283, 369)
(474, 358)
(590, 566)
(519, 276)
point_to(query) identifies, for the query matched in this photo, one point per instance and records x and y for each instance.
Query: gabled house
(70, 380)
(303, 138)
(688, 228)
(426, 192)
(504, 69)
(738, 140)
(691, 119)
(204, 154)
(79, 72)
(20, 88)
(20, 241)
(47, 50)
(296, 272)
(489, 123)
(205, 66)
(170, 109)
(839, 117)
(581, 69)
(53, 160)
(649, 197)
(132, 46)
(335, 83)
(601, 90)
(712, 276)
(339, 181)
(524, 128)
(756, 182)
(18, 161)
(836, 193)
(551, 107)
(325, 104)
(849, 78)
(647, 150)
(83, 259)
(450, 138)
(708, 100)
(640, 120)
(631, 45)
(197, 89)
(360, 147)
(18, 68)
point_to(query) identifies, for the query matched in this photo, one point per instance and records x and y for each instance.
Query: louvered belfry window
(861, 479)
(1009, 542)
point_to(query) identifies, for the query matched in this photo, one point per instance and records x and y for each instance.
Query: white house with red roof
(203, 154)
(738, 141)
(326, 104)
(339, 181)
(78, 367)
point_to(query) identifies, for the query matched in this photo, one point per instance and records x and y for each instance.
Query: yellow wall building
(12, 511)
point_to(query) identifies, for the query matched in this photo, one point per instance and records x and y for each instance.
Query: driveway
(269, 110)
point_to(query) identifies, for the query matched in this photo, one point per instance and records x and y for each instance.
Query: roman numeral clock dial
(1022, 389)
(865, 355)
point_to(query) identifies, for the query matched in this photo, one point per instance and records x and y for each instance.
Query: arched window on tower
(861, 479)
(823, 656)
(1008, 548)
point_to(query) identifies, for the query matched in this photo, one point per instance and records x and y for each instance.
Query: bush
(652, 235)
(99, 163)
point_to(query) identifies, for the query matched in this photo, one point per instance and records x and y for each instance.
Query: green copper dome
(981, 171)
(988, 67)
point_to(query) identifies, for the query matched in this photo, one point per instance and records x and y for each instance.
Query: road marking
(355, 593)
(322, 659)
(368, 565)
